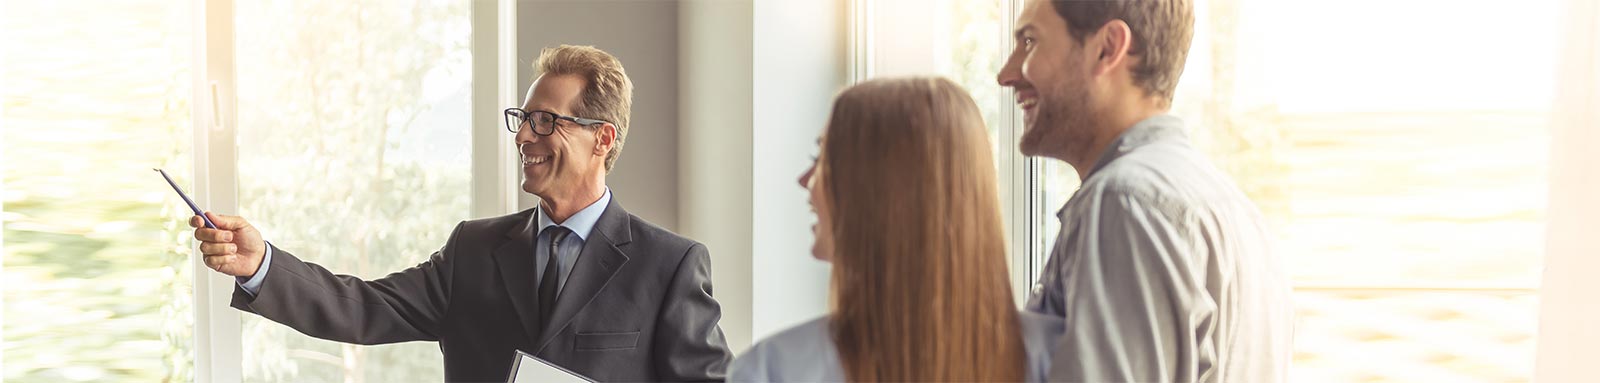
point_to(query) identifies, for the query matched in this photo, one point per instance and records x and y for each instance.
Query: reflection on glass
(354, 154)
(97, 280)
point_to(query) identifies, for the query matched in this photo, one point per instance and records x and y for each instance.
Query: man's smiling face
(1050, 75)
(566, 158)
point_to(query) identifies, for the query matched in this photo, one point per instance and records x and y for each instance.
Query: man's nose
(525, 138)
(525, 135)
(1011, 73)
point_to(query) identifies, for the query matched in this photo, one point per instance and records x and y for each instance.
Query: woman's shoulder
(804, 352)
(805, 331)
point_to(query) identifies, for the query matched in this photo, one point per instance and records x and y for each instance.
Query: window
(357, 143)
(354, 154)
(1415, 256)
(1419, 272)
(1425, 271)
(97, 278)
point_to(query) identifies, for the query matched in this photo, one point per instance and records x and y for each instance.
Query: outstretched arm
(403, 306)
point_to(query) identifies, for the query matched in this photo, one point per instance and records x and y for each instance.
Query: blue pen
(186, 199)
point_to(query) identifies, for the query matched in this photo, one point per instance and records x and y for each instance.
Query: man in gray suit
(576, 281)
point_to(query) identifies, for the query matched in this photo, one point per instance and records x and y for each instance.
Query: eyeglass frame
(586, 122)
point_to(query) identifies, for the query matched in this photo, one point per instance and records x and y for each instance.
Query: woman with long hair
(908, 212)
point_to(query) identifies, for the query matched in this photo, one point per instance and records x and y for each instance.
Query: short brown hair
(1162, 30)
(607, 91)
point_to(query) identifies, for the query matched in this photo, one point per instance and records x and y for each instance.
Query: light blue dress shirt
(253, 284)
(581, 224)
(806, 353)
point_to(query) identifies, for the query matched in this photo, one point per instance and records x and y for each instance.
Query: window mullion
(494, 86)
(217, 347)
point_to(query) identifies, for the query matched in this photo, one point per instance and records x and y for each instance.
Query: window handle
(216, 108)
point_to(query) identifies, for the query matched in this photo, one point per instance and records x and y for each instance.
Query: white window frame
(218, 349)
(217, 344)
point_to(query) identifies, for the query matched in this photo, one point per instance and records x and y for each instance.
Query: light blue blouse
(805, 353)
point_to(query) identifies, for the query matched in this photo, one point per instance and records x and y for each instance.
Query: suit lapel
(597, 263)
(515, 259)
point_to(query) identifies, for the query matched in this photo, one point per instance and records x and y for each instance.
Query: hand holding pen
(228, 243)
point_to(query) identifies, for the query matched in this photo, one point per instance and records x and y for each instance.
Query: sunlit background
(1400, 148)
(351, 132)
(1403, 165)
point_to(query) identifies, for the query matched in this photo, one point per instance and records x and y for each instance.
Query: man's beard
(1061, 128)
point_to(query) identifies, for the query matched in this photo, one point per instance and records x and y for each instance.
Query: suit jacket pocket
(607, 340)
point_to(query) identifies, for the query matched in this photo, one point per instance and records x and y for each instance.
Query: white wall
(1568, 308)
(729, 96)
(799, 64)
(687, 162)
(643, 34)
(714, 146)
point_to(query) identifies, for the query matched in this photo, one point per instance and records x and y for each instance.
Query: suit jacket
(637, 305)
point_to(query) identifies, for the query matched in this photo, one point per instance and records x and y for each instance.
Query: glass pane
(96, 277)
(1395, 159)
(1057, 181)
(1451, 217)
(1380, 336)
(354, 154)
(1404, 181)
(1400, 172)
(974, 50)
(1436, 172)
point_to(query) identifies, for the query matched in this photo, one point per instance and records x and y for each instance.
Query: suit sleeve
(690, 346)
(404, 306)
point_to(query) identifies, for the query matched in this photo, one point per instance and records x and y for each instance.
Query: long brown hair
(919, 283)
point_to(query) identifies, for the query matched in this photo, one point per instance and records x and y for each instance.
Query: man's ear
(605, 139)
(1115, 40)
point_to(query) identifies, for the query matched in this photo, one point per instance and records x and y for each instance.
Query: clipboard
(527, 368)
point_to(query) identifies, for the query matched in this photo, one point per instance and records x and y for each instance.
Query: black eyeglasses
(544, 123)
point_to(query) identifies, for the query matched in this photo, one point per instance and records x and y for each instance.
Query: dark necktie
(548, 280)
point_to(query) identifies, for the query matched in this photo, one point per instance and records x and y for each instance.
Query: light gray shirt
(806, 353)
(1163, 271)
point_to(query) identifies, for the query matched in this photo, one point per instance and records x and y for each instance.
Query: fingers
(216, 262)
(227, 222)
(213, 235)
(213, 248)
(196, 222)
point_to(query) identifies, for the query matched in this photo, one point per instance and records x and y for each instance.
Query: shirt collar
(581, 223)
(1157, 128)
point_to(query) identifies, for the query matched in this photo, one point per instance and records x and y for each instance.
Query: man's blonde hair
(607, 91)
